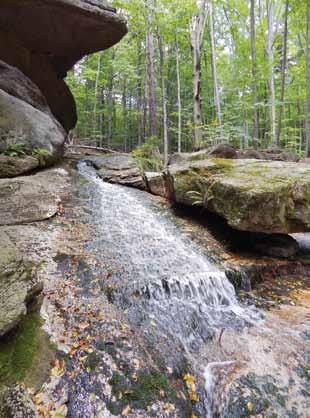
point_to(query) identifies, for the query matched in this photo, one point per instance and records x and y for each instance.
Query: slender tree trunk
(95, 119)
(254, 75)
(110, 110)
(125, 116)
(272, 92)
(308, 82)
(283, 71)
(140, 97)
(179, 93)
(164, 98)
(197, 29)
(152, 102)
(217, 100)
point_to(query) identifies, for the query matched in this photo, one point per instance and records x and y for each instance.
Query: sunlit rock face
(45, 38)
(251, 195)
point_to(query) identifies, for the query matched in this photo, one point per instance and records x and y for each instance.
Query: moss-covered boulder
(252, 195)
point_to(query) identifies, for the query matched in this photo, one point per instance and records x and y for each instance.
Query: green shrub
(15, 150)
(41, 154)
(148, 156)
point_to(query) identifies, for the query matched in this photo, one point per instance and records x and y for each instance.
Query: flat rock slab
(252, 195)
(13, 166)
(118, 169)
(32, 198)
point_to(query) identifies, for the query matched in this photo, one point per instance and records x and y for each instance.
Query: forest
(154, 208)
(193, 74)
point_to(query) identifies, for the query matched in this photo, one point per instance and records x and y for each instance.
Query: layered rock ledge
(252, 195)
(44, 39)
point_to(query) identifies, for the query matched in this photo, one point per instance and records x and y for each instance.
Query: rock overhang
(62, 30)
(45, 38)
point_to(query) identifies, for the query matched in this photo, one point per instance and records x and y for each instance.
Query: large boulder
(252, 195)
(31, 198)
(119, 169)
(68, 30)
(25, 117)
(223, 151)
(15, 277)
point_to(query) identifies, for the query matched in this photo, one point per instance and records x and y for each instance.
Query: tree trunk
(254, 75)
(179, 93)
(217, 100)
(140, 97)
(272, 93)
(164, 98)
(95, 119)
(283, 71)
(308, 82)
(197, 29)
(125, 116)
(152, 102)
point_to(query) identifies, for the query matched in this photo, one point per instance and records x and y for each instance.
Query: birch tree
(254, 75)
(308, 82)
(217, 100)
(270, 54)
(197, 29)
(151, 75)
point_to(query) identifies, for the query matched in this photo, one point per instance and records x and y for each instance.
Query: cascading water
(159, 276)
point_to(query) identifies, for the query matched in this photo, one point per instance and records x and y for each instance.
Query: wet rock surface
(256, 196)
(102, 310)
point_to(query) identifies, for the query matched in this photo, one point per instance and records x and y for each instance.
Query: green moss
(25, 353)
(148, 388)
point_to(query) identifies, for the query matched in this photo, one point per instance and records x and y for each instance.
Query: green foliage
(117, 116)
(16, 150)
(41, 154)
(148, 156)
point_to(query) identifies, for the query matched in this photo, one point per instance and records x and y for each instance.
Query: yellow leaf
(126, 411)
(250, 406)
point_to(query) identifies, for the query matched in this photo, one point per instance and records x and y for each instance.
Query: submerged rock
(256, 196)
(15, 276)
(31, 198)
(275, 245)
(119, 169)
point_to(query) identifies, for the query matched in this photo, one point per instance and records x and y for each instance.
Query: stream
(164, 282)
(152, 328)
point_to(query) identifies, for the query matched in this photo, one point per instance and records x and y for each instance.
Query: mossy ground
(25, 353)
(148, 388)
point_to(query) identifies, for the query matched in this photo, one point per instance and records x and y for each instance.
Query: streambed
(150, 327)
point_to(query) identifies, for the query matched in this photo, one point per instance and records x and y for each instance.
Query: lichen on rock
(252, 195)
